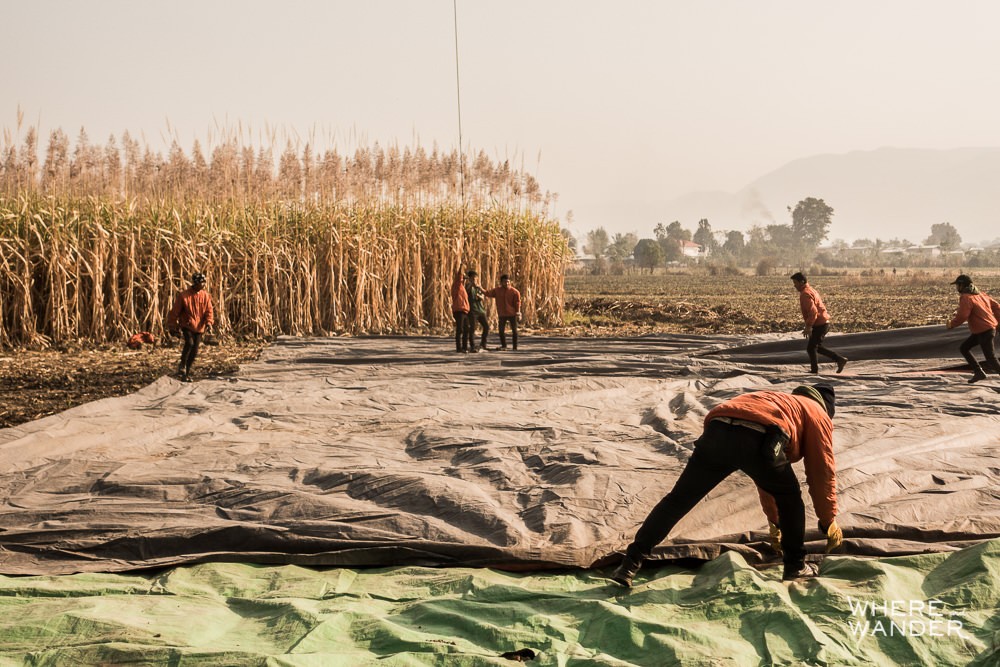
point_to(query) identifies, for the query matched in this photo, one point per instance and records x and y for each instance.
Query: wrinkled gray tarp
(390, 451)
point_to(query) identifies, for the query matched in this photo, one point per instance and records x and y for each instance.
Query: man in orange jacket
(982, 313)
(460, 310)
(761, 433)
(508, 309)
(192, 314)
(817, 321)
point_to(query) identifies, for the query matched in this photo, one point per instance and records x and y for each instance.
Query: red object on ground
(136, 341)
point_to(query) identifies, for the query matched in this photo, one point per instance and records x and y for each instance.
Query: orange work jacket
(810, 439)
(192, 311)
(980, 310)
(508, 300)
(813, 311)
(459, 297)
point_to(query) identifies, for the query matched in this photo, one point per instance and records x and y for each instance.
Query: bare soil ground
(744, 304)
(34, 384)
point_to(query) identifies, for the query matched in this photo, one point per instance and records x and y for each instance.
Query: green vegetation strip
(939, 609)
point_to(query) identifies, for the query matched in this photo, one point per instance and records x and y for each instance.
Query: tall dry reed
(96, 269)
(95, 242)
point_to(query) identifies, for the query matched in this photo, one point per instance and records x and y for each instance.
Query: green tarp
(935, 609)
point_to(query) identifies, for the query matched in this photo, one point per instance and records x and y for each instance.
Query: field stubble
(699, 303)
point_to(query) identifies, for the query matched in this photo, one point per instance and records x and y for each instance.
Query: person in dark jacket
(477, 311)
(761, 433)
(982, 313)
(817, 321)
(192, 314)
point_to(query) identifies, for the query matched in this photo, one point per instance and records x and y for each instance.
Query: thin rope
(458, 97)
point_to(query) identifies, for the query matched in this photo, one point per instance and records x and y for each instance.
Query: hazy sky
(614, 105)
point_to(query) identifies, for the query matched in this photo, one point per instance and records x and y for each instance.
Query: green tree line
(796, 243)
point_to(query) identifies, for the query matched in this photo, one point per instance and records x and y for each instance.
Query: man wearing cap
(817, 321)
(508, 309)
(761, 433)
(982, 314)
(192, 314)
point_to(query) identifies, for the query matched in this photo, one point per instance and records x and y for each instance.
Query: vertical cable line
(458, 97)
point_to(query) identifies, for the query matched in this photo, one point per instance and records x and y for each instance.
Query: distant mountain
(885, 193)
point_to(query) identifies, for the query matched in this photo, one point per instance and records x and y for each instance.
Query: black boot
(625, 571)
(841, 363)
(978, 375)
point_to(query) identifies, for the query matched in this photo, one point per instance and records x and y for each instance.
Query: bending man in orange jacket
(761, 433)
(192, 314)
(817, 321)
(982, 312)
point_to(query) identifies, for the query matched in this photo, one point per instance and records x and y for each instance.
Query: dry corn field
(94, 270)
(95, 241)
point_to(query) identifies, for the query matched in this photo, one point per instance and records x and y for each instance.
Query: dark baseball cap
(962, 280)
(829, 397)
(822, 393)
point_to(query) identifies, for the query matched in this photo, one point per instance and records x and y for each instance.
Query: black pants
(504, 321)
(815, 345)
(985, 341)
(461, 331)
(480, 319)
(721, 450)
(192, 340)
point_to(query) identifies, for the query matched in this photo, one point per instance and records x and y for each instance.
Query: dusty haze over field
(621, 108)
